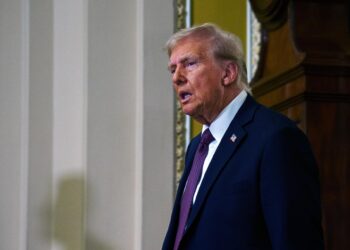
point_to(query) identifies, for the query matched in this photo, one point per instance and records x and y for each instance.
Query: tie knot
(207, 137)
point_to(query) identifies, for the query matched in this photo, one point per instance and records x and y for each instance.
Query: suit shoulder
(268, 124)
(261, 117)
(269, 118)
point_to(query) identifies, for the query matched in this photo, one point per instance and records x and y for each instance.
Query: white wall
(86, 124)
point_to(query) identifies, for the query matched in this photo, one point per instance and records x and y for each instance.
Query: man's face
(197, 79)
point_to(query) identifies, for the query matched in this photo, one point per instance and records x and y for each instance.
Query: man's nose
(179, 77)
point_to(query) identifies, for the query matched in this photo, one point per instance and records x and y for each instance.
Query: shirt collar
(219, 126)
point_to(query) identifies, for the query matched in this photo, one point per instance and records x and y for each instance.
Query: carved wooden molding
(328, 68)
(311, 97)
(272, 14)
(267, 84)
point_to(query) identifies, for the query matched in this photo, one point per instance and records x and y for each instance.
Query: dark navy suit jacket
(261, 191)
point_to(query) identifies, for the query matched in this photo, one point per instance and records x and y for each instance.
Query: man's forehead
(186, 50)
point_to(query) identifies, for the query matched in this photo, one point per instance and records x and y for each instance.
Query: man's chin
(187, 111)
(190, 110)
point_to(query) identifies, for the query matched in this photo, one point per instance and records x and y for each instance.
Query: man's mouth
(185, 96)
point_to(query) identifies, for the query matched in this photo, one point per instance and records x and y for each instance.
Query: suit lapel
(233, 137)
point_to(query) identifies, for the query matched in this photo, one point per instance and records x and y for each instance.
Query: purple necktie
(191, 185)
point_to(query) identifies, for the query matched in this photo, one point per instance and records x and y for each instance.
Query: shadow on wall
(68, 217)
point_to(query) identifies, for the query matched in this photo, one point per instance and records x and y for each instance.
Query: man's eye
(191, 63)
(172, 70)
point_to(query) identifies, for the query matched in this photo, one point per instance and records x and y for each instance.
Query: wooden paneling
(304, 73)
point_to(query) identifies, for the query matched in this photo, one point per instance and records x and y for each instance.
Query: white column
(157, 126)
(40, 124)
(130, 124)
(13, 123)
(69, 123)
(111, 124)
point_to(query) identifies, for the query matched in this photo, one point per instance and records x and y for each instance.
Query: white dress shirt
(218, 128)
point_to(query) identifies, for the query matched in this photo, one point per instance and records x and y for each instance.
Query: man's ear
(230, 73)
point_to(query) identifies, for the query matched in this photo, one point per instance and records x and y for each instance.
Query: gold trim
(180, 130)
(256, 44)
(181, 14)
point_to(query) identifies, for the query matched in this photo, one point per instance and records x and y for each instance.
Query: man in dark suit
(250, 179)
